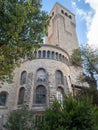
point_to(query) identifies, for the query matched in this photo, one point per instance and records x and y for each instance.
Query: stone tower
(62, 29)
(62, 33)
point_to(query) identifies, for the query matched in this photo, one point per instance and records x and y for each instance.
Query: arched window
(66, 14)
(23, 78)
(59, 77)
(56, 56)
(63, 58)
(41, 75)
(52, 13)
(3, 98)
(70, 16)
(44, 54)
(21, 96)
(40, 95)
(52, 55)
(62, 11)
(60, 57)
(48, 54)
(60, 94)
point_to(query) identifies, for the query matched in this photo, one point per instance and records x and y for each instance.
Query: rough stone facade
(62, 29)
(49, 70)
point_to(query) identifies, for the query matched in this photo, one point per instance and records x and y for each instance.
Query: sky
(86, 12)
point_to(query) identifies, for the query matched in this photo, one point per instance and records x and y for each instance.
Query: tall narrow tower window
(70, 16)
(62, 11)
(66, 14)
(52, 13)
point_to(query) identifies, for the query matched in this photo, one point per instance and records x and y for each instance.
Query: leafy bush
(72, 115)
(20, 120)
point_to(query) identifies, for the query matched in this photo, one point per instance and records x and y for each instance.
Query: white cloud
(84, 15)
(90, 19)
(92, 34)
(92, 3)
(87, 16)
(73, 3)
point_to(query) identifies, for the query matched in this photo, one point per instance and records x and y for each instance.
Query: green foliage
(75, 58)
(90, 92)
(20, 120)
(72, 115)
(90, 59)
(87, 58)
(22, 26)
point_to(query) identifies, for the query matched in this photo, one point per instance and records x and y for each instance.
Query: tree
(21, 119)
(87, 58)
(72, 115)
(89, 92)
(22, 26)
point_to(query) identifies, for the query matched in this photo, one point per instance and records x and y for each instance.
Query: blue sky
(86, 12)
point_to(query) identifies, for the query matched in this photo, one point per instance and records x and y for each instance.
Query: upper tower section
(62, 29)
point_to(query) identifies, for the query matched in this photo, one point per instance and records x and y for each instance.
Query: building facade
(49, 75)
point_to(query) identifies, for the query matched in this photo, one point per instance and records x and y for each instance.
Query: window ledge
(3, 107)
(39, 107)
(20, 105)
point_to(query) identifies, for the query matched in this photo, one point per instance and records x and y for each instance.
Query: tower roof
(58, 4)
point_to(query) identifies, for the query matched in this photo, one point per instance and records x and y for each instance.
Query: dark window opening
(56, 56)
(48, 54)
(59, 77)
(52, 55)
(40, 95)
(23, 78)
(3, 98)
(44, 54)
(70, 16)
(66, 14)
(52, 13)
(21, 96)
(62, 11)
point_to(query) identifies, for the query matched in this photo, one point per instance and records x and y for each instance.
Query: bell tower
(62, 29)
